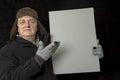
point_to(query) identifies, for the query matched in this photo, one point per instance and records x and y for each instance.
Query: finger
(98, 53)
(101, 56)
(99, 47)
(95, 52)
(54, 45)
(40, 45)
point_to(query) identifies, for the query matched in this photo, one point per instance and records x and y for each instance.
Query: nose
(27, 24)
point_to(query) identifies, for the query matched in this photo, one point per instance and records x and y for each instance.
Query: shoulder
(6, 49)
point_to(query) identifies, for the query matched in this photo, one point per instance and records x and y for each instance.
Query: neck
(29, 38)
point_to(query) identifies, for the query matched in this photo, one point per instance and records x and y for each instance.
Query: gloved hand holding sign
(48, 51)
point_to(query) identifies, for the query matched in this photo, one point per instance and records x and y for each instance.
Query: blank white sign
(75, 29)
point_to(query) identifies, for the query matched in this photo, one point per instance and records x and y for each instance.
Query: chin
(29, 35)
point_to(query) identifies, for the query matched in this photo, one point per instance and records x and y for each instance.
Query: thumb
(40, 45)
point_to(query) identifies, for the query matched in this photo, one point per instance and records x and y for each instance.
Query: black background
(106, 22)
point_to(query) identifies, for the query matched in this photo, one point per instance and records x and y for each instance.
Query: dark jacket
(17, 61)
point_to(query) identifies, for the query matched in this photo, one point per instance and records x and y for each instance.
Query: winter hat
(27, 11)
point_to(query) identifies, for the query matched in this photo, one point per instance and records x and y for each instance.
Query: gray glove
(98, 51)
(48, 51)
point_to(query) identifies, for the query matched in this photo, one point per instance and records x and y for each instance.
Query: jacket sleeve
(11, 70)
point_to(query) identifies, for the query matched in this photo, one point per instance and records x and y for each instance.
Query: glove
(48, 51)
(98, 51)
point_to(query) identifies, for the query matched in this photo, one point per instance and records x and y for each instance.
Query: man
(27, 55)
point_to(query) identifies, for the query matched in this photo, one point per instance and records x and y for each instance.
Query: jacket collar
(26, 41)
(45, 39)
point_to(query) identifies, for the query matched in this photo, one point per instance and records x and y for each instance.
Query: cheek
(34, 29)
(20, 30)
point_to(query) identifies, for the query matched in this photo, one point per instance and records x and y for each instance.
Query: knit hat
(27, 11)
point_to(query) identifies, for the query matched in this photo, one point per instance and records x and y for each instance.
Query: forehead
(26, 18)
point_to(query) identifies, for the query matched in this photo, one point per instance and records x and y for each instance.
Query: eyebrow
(21, 20)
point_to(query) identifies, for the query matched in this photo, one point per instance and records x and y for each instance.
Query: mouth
(27, 29)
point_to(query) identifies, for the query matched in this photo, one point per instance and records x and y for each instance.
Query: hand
(98, 51)
(48, 51)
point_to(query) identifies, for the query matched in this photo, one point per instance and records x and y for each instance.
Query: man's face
(27, 26)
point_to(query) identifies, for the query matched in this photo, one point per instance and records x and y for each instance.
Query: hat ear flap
(14, 30)
(41, 29)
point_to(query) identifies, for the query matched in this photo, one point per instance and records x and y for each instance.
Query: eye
(33, 21)
(21, 22)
